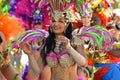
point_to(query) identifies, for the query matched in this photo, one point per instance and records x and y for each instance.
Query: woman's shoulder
(76, 41)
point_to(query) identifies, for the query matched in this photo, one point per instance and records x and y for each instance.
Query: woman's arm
(76, 54)
(10, 73)
(34, 64)
(26, 47)
(6, 68)
(46, 73)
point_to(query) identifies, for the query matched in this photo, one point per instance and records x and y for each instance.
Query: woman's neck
(57, 35)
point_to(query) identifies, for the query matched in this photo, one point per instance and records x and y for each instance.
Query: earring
(66, 24)
(51, 29)
(64, 31)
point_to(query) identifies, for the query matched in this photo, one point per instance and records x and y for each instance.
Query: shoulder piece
(76, 41)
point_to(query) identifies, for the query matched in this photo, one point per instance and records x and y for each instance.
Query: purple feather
(13, 6)
(24, 9)
(25, 72)
(88, 35)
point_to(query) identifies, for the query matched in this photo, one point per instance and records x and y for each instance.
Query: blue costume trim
(113, 73)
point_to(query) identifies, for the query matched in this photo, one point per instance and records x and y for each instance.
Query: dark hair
(86, 70)
(117, 26)
(114, 38)
(50, 42)
(1, 40)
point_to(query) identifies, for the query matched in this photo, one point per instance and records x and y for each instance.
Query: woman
(99, 49)
(59, 52)
(36, 38)
(105, 65)
(6, 68)
(28, 73)
(83, 73)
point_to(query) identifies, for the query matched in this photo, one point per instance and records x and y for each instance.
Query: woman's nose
(56, 24)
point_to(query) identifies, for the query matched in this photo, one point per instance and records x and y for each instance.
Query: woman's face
(38, 26)
(96, 20)
(58, 27)
(86, 20)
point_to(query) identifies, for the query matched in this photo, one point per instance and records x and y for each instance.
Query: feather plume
(99, 37)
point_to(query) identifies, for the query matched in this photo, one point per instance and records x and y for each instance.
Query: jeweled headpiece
(30, 12)
(37, 17)
(60, 8)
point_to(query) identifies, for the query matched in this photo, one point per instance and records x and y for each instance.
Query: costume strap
(4, 59)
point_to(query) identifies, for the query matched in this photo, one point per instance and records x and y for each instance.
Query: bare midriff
(61, 73)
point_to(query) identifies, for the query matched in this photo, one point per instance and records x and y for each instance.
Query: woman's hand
(26, 47)
(75, 32)
(65, 41)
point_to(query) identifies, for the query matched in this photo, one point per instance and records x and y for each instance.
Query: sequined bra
(63, 59)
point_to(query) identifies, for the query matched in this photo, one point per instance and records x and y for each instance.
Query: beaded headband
(60, 8)
(58, 14)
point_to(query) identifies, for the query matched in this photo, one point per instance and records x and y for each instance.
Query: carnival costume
(11, 28)
(110, 65)
(99, 44)
(59, 57)
(31, 12)
(36, 38)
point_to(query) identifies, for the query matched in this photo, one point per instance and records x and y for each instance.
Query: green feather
(35, 1)
(35, 33)
(5, 5)
(98, 38)
(37, 11)
(78, 4)
(39, 3)
(60, 2)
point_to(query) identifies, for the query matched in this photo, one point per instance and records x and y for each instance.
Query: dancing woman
(60, 52)
(6, 68)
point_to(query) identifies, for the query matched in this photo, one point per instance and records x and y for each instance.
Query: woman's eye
(61, 21)
(89, 17)
(53, 21)
(95, 20)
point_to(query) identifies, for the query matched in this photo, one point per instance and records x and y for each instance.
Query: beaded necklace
(58, 47)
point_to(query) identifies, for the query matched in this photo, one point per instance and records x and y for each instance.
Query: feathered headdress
(60, 8)
(99, 37)
(10, 26)
(30, 12)
(103, 9)
(36, 38)
(84, 7)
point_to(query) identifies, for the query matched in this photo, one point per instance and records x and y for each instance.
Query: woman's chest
(62, 59)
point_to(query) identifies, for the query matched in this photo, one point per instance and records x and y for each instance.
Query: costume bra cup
(63, 59)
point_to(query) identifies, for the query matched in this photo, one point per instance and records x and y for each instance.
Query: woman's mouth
(56, 28)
